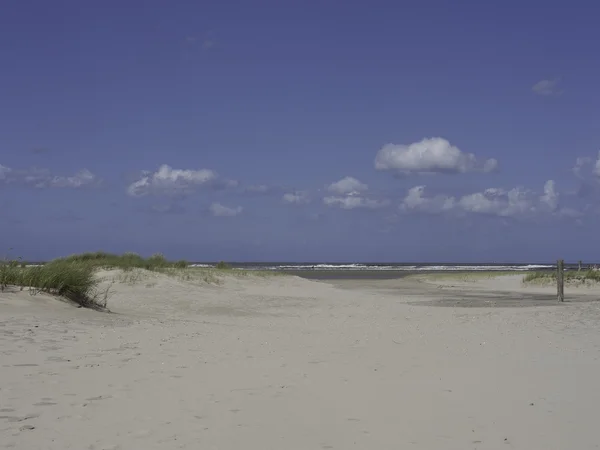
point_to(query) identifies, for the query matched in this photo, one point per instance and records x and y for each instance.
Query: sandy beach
(276, 363)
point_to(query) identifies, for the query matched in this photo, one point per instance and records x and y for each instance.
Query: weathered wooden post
(580, 264)
(560, 280)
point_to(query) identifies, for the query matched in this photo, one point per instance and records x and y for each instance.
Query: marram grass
(67, 279)
(125, 261)
(570, 275)
(73, 277)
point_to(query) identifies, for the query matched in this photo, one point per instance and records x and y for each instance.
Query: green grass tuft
(71, 280)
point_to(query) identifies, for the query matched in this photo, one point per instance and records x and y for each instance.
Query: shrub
(222, 265)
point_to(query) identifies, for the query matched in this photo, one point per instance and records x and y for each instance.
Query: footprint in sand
(57, 359)
(95, 399)
(100, 397)
(14, 419)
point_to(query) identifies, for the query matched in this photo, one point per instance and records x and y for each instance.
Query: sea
(330, 270)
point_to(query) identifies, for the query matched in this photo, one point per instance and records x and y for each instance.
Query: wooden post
(580, 264)
(560, 280)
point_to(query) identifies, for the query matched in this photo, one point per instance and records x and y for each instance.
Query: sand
(286, 363)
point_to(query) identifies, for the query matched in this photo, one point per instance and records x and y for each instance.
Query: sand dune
(286, 363)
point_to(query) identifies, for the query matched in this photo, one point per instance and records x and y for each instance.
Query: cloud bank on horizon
(220, 132)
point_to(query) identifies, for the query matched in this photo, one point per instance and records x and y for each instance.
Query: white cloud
(498, 202)
(297, 198)
(347, 186)
(430, 155)
(43, 178)
(353, 202)
(4, 172)
(416, 201)
(580, 163)
(547, 87)
(349, 195)
(570, 212)
(550, 198)
(219, 210)
(517, 202)
(169, 181)
(82, 178)
(490, 165)
(597, 166)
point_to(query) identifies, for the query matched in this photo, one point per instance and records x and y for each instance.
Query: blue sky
(269, 130)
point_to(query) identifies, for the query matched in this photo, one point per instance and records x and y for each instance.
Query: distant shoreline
(381, 274)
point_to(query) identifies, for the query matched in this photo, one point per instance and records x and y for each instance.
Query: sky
(414, 131)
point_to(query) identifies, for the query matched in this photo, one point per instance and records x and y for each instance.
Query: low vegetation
(74, 277)
(573, 276)
(222, 265)
(73, 281)
(538, 277)
(126, 261)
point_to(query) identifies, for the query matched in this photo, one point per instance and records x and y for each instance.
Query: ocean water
(400, 267)
(375, 271)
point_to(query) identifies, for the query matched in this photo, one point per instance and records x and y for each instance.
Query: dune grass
(74, 277)
(138, 276)
(126, 261)
(570, 276)
(73, 281)
(203, 275)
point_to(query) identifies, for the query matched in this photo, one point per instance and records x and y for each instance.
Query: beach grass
(203, 275)
(74, 277)
(126, 261)
(573, 276)
(70, 280)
